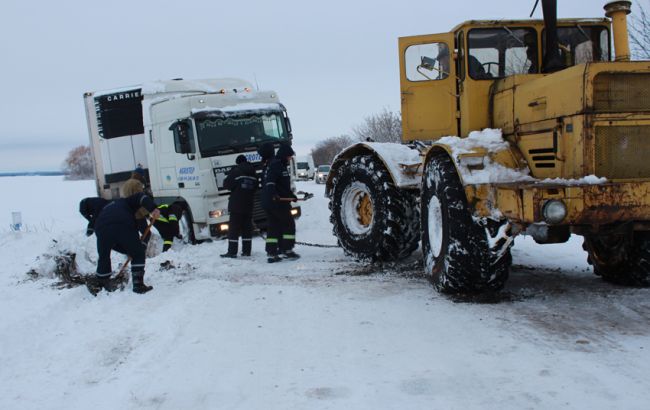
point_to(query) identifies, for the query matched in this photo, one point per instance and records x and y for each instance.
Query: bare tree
(325, 151)
(640, 33)
(383, 127)
(79, 164)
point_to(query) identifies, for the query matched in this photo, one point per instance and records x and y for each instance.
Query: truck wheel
(620, 259)
(186, 227)
(461, 254)
(372, 219)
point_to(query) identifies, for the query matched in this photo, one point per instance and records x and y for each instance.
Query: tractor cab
(454, 72)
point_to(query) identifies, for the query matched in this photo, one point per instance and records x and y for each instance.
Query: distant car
(304, 170)
(321, 174)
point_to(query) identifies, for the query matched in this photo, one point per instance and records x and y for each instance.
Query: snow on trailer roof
(213, 85)
(204, 85)
(102, 93)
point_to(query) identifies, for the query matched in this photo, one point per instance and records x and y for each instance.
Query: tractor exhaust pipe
(552, 60)
(618, 11)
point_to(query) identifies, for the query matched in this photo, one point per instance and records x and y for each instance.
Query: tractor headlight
(554, 211)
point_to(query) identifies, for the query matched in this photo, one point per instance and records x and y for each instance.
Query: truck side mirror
(183, 138)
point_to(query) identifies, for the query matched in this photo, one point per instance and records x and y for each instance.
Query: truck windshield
(218, 134)
(302, 165)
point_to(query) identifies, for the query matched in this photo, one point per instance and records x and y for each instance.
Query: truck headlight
(217, 213)
(554, 211)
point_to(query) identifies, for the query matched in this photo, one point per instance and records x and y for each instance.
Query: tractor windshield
(583, 44)
(500, 52)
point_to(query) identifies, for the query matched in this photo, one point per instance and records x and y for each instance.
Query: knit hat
(285, 151)
(240, 159)
(138, 173)
(266, 151)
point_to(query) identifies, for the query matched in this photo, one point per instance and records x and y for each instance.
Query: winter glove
(276, 198)
(90, 231)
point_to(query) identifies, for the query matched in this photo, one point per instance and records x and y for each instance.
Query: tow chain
(306, 196)
(317, 245)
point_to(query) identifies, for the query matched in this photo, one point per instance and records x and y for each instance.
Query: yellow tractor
(509, 127)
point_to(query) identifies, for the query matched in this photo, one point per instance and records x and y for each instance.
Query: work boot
(273, 258)
(96, 283)
(107, 283)
(92, 283)
(246, 244)
(232, 249)
(138, 283)
(228, 255)
(290, 255)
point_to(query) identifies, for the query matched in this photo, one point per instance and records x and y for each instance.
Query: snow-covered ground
(322, 332)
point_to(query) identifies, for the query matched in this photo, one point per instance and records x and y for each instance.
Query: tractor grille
(621, 92)
(622, 152)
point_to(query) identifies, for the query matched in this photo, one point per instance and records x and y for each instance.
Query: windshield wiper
(583, 32)
(517, 39)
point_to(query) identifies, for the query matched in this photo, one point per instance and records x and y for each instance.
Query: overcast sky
(332, 62)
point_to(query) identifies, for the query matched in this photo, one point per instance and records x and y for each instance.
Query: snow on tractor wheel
(461, 254)
(621, 259)
(372, 219)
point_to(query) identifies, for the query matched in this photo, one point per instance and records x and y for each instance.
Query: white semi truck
(186, 135)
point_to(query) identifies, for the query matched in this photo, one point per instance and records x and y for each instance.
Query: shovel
(121, 275)
(305, 196)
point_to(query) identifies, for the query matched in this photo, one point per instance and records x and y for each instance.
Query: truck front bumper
(219, 229)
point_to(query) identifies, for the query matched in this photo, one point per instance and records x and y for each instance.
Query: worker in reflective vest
(167, 223)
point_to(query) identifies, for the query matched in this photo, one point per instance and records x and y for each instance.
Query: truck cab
(187, 135)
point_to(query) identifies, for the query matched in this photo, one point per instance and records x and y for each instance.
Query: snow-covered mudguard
(485, 163)
(404, 164)
(478, 165)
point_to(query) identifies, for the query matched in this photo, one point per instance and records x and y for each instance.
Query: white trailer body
(186, 135)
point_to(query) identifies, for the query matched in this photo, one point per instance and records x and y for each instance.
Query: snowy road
(323, 332)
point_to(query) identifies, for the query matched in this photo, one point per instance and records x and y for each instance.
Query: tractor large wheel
(372, 219)
(622, 259)
(461, 254)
